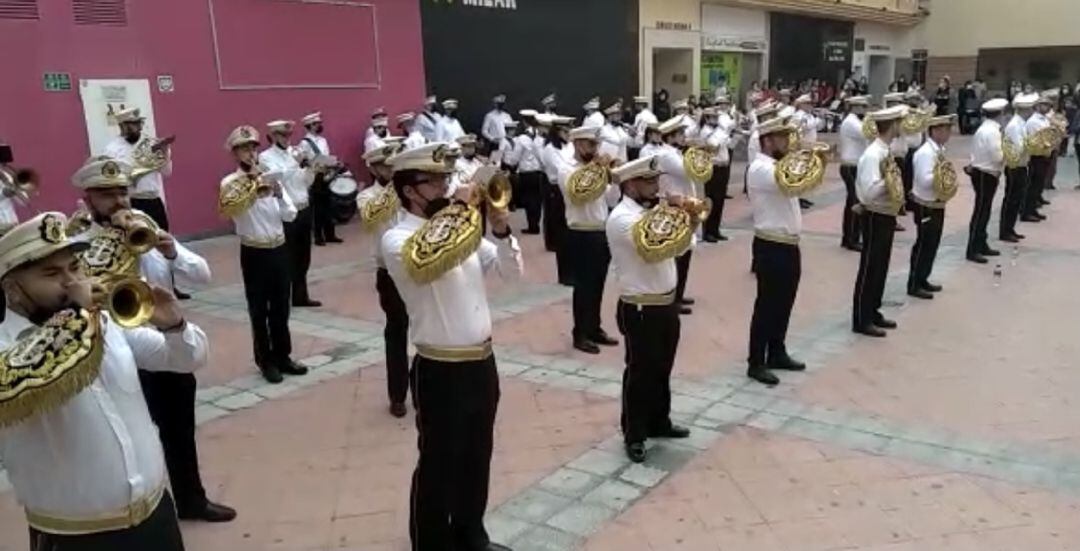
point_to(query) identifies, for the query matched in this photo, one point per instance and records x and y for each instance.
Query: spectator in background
(979, 86)
(864, 86)
(1029, 88)
(965, 102)
(1067, 105)
(1014, 90)
(902, 84)
(661, 106)
(941, 98)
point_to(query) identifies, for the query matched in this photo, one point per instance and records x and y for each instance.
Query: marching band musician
(454, 378)
(379, 130)
(807, 124)
(776, 256)
(449, 128)
(593, 116)
(8, 217)
(149, 193)
(643, 117)
(82, 452)
(586, 246)
(468, 163)
(766, 110)
(898, 146)
(280, 157)
(1039, 168)
(681, 109)
(380, 210)
(528, 149)
(428, 121)
(879, 187)
(653, 141)
(1017, 158)
(264, 258)
(411, 130)
(550, 103)
(314, 146)
(987, 164)
(170, 396)
(929, 196)
(614, 140)
(852, 145)
(717, 136)
(914, 140)
(556, 153)
(674, 181)
(647, 313)
(494, 128)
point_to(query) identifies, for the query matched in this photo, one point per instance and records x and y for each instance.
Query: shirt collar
(632, 205)
(761, 156)
(411, 221)
(14, 324)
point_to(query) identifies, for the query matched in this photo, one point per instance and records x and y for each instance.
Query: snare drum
(343, 196)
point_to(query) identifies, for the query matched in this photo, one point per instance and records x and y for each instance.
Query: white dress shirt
(449, 129)
(553, 159)
(190, 270)
(1035, 123)
(369, 193)
(527, 151)
(898, 147)
(415, 139)
(613, 142)
(374, 141)
(295, 180)
(451, 311)
(718, 138)
(673, 180)
(852, 141)
(753, 143)
(808, 125)
(8, 218)
(594, 119)
(1016, 133)
(466, 168)
(986, 153)
(641, 123)
(592, 215)
(776, 215)
(633, 274)
(649, 149)
(262, 224)
(98, 452)
(147, 187)
(870, 185)
(494, 127)
(427, 123)
(690, 125)
(322, 147)
(923, 172)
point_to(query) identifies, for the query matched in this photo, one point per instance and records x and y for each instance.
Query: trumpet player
(259, 208)
(593, 116)
(643, 117)
(614, 139)
(776, 257)
(987, 164)
(674, 181)
(315, 146)
(148, 195)
(170, 396)
(880, 189)
(83, 455)
(852, 145)
(1017, 159)
(1040, 165)
(929, 195)
(647, 314)
(281, 158)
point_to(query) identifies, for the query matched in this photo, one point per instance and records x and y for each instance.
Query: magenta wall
(283, 44)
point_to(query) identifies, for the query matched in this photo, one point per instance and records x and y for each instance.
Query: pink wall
(261, 42)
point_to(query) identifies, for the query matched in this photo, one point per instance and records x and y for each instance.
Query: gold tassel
(663, 232)
(442, 243)
(377, 210)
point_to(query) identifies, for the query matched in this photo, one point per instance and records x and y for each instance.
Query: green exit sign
(57, 82)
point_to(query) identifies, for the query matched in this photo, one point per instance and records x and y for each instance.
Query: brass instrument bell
(140, 231)
(698, 209)
(21, 182)
(129, 301)
(495, 190)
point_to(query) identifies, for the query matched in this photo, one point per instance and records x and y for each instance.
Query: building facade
(198, 69)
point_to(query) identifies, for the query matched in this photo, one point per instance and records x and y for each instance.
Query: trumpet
(698, 209)
(128, 299)
(493, 188)
(140, 231)
(150, 155)
(19, 183)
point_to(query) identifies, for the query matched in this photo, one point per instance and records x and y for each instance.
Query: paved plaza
(961, 430)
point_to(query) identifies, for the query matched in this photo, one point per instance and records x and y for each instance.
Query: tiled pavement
(957, 432)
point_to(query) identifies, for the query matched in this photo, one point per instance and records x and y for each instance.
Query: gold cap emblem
(52, 229)
(110, 169)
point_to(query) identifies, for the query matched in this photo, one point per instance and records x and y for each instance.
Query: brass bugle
(21, 182)
(496, 191)
(698, 209)
(140, 231)
(129, 301)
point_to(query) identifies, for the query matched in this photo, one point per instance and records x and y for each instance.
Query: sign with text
(57, 82)
(733, 43)
(720, 69)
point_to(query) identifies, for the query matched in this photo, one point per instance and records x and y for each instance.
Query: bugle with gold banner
(1013, 153)
(150, 155)
(442, 243)
(377, 210)
(697, 162)
(869, 129)
(945, 184)
(914, 122)
(801, 171)
(589, 182)
(894, 182)
(240, 191)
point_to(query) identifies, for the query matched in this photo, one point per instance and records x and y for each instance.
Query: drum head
(344, 186)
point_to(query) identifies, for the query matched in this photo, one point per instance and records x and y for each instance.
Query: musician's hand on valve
(166, 245)
(167, 311)
(675, 200)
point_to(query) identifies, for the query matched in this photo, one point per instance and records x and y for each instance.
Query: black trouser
(778, 267)
(589, 257)
(652, 338)
(155, 209)
(266, 287)
(907, 174)
(850, 236)
(929, 223)
(455, 419)
(298, 240)
(555, 229)
(1038, 169)
(1051, 172)
(160, 532)
(170, 398)
(396, 334)
(716, 191)
(682, 270)
(1015, 189)
(985, 185)
(322, 210)
(1076, 148)
(530, 186)
(877, 230)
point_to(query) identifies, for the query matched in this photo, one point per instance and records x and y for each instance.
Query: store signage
(674, 26)
(879, 48)
(733, 43)
(836, 51)
(493, 4)
(57, 82)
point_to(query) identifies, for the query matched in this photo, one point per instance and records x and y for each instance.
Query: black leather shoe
(870, 331)
(710, 239)
(1019, 235)
(180, 295)
(492, 546)
(213, 512)
(271, 373)
(635, 451)
(686, 310)
(1040, 216)
(603, 339)
(289, 367)
(1030, 218)
(320, 243)
(991, 252)
(334, 239)
(586, 346)
(687, 301)
(306, 303)
(885, 323)
(763, 375)
(932, 287)
(672, 431)
(786, 363)
(397, 409)
(1009, 239)
(920, 293)
(977, 258)
(721, 237)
